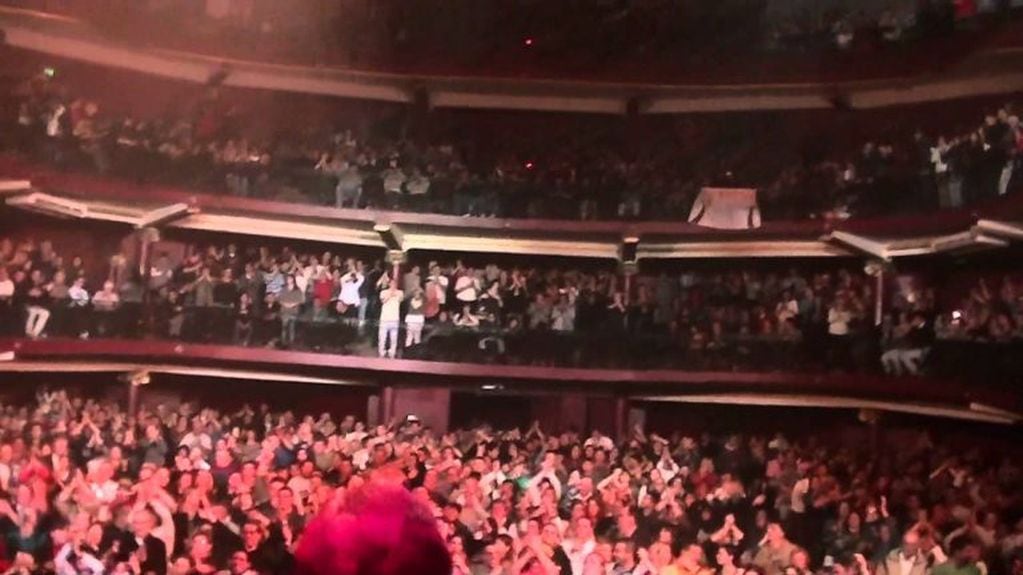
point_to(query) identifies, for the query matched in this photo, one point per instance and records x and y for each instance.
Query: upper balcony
(543, 58)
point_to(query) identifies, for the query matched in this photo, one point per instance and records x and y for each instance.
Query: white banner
(726, 209)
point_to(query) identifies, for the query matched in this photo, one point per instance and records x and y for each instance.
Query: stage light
(529, 165)
(49, 71)
(528, 42)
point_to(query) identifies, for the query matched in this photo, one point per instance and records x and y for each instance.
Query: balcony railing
(988, 365)
(597, 347)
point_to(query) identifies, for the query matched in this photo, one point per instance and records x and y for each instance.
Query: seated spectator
(912, 341)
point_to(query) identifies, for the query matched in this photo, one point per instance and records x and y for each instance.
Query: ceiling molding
(998, 228)
(61, 207)
(165, 215)
(14, 186)
(835, 402)
(983, 74)
(458, 242)
(15, 366)
(261, 226)
(462, 235)
(739, 249)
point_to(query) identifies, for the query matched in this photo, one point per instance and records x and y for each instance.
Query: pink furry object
(378, 529)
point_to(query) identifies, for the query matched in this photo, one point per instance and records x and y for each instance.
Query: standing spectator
(414, 320)
(940, 166)
(273, 279)
(964, 555)
(250, 283)
(411, 282)
(839, 318)
(775, 552)
(907, 559)
(690, 562)
(390, 317)
(467, 286)
(150, 551)
(290, 301)
(160, 273)
(349, 299)
(436, 291)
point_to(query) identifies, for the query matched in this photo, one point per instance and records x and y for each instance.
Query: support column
(373, 410)
(621, 431)
(133, 398)
(879, 298)
(135, 381)
(629, 269)
(386, 405)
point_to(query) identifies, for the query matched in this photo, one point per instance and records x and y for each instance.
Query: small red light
(528, 42)
(529, 165)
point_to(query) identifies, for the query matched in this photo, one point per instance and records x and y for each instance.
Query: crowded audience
(989, 311)
(563, 172)
(184, 489)
(537, 312)
(564, 312)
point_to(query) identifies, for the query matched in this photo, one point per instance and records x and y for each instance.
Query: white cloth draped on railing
(726, 208)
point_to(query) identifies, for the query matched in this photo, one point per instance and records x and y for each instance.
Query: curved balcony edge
(72, 355)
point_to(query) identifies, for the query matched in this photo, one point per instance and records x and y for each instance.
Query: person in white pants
(36, 322)
(390, 320)
(414, 320)
(908, 357)
(35, 303)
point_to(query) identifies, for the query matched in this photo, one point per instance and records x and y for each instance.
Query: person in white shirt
(436, 290)
(71, 560)
(414, 320)
(106, 299)
(390, 317)
(839, 318)
(6, 286)
(580, 544)
(197, 437)
(597, 439)
(394, 182)
(467, 286)
(349, 298)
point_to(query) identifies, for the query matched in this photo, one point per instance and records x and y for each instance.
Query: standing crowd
(87, 488)
(588, 315)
